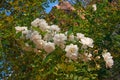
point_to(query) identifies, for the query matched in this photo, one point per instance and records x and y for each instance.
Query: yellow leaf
(62, 66)
(9, 19)
(70, 68)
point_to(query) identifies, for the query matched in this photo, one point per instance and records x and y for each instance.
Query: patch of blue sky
(2, 10)
(1, 64)
(4, 74)
(49, 4)
(9, 0)
(85, 2)
(72, 1)
(7, 12)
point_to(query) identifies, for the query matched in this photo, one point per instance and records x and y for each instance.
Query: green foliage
(26, 64)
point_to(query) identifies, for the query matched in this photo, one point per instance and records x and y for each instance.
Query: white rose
(88, 56)
(59, 39)
(36, 22)
(40, 44)
(18, 29)
(71, 37)
(80, 35)
(87, 42)
(54, 28)
(43, 26)
(49, 47)
(108, 59)
(71, 51)
(94, 7)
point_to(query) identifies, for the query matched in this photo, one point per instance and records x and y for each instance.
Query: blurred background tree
(23, 63)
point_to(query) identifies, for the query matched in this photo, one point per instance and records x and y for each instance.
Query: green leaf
(33, 65)
(76, 77)
(86, 79)
(47, 58)
(70, 31)
(39, 30)
(50, 71)
(5, 42)
(18, 35)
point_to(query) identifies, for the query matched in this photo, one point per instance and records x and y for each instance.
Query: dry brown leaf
(82, 16)
(65, 5)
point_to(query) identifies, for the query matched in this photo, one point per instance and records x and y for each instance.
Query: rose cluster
(71, 44)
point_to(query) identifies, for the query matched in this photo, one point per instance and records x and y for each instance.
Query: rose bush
(24, 56)
(75, 47)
